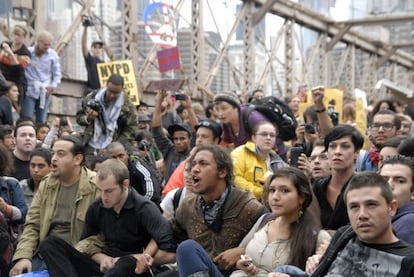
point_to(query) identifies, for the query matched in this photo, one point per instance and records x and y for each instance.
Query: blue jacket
(403, 222)
(12, 194)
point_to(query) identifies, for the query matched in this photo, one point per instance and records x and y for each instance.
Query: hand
(3, 204)
(50, 91)
(305, 165)
(227, 259)
(187, 102)
(91, 115)
(245, 263)
(159, 98)
(144, 262)
(23, 265)
(107, 263)
(6, 48)
(312, 262)
(318, 93)
(300, 133)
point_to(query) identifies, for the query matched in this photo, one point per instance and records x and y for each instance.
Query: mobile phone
(180, 96)
(295, 154)
(246, 261)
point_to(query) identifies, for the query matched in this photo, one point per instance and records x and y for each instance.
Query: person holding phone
(255, 160)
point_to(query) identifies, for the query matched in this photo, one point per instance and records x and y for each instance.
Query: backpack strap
(176, 199)
(267, 217)
(245, 117)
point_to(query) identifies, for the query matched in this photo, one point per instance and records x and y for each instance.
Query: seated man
(132, 226)
(142, 177)
(368, 247)
(59, 205)
(218, 215)
(399, 171)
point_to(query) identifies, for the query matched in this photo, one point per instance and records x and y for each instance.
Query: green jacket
(40, 214)
(127, 123)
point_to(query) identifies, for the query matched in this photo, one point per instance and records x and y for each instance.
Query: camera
(333, 115)
(94, 105)
(63, 122)
(309, 128)
(87, 21)
(180, 96)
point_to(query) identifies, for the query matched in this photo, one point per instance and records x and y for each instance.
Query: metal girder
(350, 70)
(380, 19)
(289, 57)
(323, 61)
(320, 23)
(129, 31)
(225, 47)
(341, 65)
(275, 47)
(338, 37)
(65, 39)
(249, 59)
(381, 61)
(197, 39)
(258, 16)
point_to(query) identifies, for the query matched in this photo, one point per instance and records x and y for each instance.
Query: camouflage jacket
(127, 122)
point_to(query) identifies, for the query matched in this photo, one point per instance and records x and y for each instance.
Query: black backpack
(277, 112)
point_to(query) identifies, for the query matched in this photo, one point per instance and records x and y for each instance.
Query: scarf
(373, 154)
(102, 138)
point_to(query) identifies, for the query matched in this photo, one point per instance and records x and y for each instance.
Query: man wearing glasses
(385, 125)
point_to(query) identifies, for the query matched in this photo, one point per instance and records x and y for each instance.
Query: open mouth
(195, 180)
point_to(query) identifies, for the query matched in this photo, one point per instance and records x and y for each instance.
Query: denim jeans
(30, 107)
(192, 259)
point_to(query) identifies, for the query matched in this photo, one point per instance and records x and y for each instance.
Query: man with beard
(385, 125)
(215, 210)
(59, 206)
(7, 137)
(43, 76)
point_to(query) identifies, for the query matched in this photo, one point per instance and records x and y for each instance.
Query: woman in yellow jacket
(254, 161)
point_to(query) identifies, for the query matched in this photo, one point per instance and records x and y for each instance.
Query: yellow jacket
(250, 171)
(40, 214)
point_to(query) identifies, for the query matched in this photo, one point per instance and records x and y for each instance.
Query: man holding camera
(92, 57)
(108, 115)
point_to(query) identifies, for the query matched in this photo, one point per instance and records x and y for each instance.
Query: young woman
(13, 95)
(254, 161)
(290, 236)
(40, 162)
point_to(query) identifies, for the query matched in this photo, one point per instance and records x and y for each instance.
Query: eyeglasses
(265, 134)
(321, 156)
(387, 126)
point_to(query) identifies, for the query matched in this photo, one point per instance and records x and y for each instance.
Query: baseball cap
(178, 127)
(212, 125)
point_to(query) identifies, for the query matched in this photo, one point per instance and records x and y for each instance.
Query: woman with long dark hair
(287, 236)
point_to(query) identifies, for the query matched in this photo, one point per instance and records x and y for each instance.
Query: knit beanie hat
(229, 96)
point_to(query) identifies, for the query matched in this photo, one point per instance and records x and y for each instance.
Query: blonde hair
(20, 30)
(44, 36)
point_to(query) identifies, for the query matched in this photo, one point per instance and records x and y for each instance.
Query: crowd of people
(191, 191)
